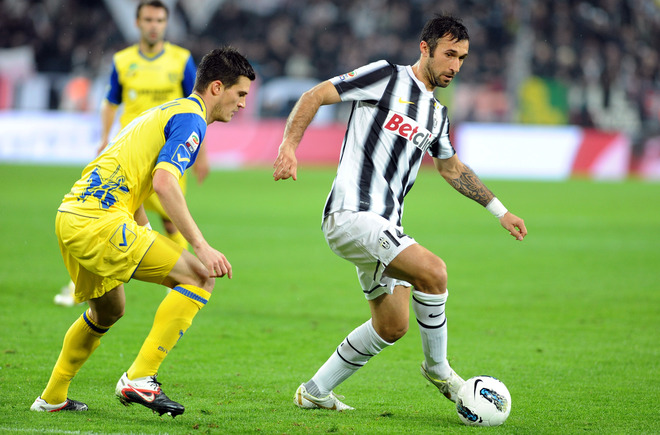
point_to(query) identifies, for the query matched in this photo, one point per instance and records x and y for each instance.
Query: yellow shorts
(152, 203)
(102, 253)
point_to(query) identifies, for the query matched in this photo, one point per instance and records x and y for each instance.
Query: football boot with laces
(448, 387)
(304, 400)
(147, 392)
(41, 405)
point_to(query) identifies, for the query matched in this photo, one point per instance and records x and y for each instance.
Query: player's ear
(217, 87)
(424, 48)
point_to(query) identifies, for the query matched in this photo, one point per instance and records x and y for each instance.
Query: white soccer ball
(483, 401)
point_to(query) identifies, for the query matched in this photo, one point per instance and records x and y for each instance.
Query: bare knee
(194, 273)
(393, 331)
(208, 284)
(200, 278)
(433, 278)
(109, 308)
(116, 314)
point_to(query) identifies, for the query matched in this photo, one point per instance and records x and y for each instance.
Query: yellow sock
(80, 341)
(178, 239)
(172, 319)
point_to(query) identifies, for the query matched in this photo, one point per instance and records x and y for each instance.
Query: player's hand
(215, 261)
(514, 224)
(286, 164)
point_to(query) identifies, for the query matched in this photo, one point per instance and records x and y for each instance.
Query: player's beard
(435, 80)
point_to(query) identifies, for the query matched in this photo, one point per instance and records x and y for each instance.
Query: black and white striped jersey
(393, 122)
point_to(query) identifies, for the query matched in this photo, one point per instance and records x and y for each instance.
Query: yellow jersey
(120, 178)
(141, 82)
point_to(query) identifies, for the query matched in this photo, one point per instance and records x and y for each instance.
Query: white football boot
(65, 297)
(304, 400)
(448, 387)
(40, 405)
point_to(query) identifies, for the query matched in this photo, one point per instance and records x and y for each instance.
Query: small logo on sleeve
(192, 143)
(347, 76)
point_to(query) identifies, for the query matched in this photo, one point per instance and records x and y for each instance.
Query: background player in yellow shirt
(145, 75)
(106, 240)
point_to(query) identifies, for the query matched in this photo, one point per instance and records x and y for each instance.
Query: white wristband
(148, 225)
(496, 208)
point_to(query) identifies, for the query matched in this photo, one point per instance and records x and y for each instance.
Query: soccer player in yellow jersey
(105, 237)
(143, 76)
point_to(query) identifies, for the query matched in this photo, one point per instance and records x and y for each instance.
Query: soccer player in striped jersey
(395, 120)
(105, 238)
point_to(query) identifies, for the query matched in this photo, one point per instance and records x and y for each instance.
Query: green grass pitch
(569, 319)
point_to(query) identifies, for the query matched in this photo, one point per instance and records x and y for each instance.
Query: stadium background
(582, 75)
(565, 319)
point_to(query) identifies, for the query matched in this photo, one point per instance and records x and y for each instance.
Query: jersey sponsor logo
(104, 189)
(409, 129)
(157, 94)
(181, 157)
(192, 143)
(402, 101)
(347, 75)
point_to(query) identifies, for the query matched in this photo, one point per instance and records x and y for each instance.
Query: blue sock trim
(187, 293)
(92, 326)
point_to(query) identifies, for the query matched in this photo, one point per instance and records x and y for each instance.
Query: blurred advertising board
(492, 150)
(542, 152)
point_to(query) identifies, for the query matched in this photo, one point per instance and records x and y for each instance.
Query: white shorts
(370, 242)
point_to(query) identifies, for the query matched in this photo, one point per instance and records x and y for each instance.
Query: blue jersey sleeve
(184, 133)
(189, 73)
(114, 90)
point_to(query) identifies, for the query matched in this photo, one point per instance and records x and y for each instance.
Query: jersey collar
(420, 84)
(152, 58)
(197, 99)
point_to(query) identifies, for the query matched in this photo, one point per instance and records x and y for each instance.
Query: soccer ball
(483, 401)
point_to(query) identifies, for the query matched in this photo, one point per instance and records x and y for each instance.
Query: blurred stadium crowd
(593, 63)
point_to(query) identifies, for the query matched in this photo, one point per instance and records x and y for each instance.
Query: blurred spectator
(592, 62)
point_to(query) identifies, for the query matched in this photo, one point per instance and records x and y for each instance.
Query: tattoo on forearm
(471, 186)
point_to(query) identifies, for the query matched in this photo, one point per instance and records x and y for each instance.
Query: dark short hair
(225, 64)
(440, 26)
(154, 3)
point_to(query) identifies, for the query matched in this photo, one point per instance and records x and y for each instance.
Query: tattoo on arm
(468, 184)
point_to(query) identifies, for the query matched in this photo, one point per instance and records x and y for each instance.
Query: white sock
(355, 351)
(430, 313)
